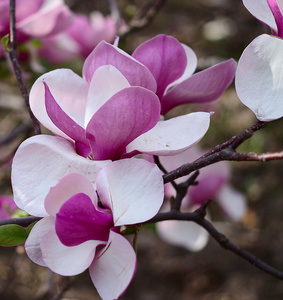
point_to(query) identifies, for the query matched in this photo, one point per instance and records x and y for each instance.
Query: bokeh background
(216, 30)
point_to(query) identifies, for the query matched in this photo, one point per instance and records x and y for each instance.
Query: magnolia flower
(35, 18)
(72, 43)
(83, 223)
(172, 64)
(259, 83)
(213, 183)
(113, 111)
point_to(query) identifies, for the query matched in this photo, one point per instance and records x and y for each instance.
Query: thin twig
(144, 16)
(198, 217)
(224, 151)
(16, 65)
(182, 190)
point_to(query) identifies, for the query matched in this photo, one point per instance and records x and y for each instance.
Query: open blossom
(259, 83)
(72, 43)
(213, 183)
(82, 227)
(35, 19)
(112, 112)
(173, 64)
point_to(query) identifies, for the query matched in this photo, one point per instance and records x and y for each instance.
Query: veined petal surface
(39, 164)
(127, 115)
(132, 188)
(63, 260)
(259, 80)
(165, 57)
(172, 136)
(106, 54)
(204, 86)
(113, 268)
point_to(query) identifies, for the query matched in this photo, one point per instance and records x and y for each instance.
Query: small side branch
(198, 216)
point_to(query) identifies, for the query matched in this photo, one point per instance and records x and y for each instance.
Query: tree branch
(16, 65)
(224, 151)
(198, 216)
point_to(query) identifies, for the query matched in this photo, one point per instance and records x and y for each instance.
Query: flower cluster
(82, 181)
(85, 182)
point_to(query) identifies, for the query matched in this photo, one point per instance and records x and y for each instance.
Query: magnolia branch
(225, 151)
(198, 216)
(16, 65)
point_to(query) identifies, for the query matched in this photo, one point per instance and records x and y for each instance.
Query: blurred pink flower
(35, 19)
(7, 207)
(79, 39)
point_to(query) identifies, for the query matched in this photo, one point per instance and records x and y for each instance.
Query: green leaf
(5, 42)
(12, 235)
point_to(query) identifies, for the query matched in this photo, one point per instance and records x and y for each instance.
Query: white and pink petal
(39, 164)
(113, 267)
(204, 86)
(106, 54)
(172, 136)
(259, 81)
(63, 260)
(132, 188)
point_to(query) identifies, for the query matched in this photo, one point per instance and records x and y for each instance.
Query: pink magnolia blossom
(7, 207)
(84, 219)
(35, 19)
(172, 64)
(259, 83)
(213, 183)
(72, 43)
(113, 111)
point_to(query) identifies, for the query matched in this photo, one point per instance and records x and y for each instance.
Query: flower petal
(262, 12)
(204, 86)
(165, 57)
(63, 260)
(39, 163)
(132, 188)
(67, 187)
(163, 140)
(32, 244)
(105, 83)
(232, 202)
(46, 22)
(79, 221)
(114, 267)
(70, 92)
(107, 54)
(66, 124)
(190, 68)
(259, 82)
(128, 114)
(183, 233)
